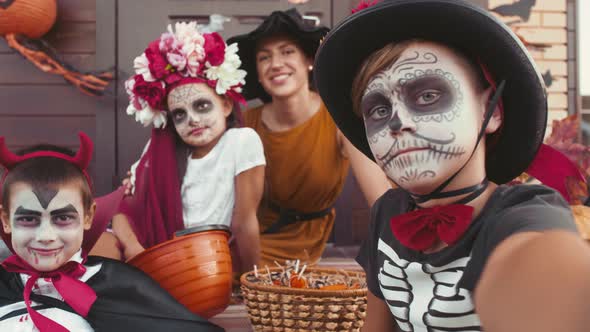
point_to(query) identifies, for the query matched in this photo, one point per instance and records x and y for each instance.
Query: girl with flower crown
(198, 168)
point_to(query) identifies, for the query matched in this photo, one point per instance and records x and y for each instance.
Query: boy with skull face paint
(450, 115)
(50, 221)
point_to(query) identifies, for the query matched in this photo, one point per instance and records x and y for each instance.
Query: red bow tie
(420, 229)
(75, 293)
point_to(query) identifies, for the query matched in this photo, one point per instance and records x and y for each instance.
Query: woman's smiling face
(282, 66)
(422, 116)
(46, 225)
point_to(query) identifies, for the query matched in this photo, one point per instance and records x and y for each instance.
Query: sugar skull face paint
(422, 116)
(46, 237)
(199, 114)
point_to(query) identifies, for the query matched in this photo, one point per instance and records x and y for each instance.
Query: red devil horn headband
(81, 159)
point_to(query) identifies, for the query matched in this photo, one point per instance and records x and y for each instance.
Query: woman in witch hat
(307, 156)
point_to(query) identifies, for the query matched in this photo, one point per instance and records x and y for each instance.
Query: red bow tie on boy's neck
(75, 293)
(420, 229)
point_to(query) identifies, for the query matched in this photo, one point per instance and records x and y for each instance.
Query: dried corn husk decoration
(23, 22)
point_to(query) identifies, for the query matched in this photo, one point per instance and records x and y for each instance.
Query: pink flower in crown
(194, 66)
(192, 46)
(172, 48)
(153, 93)
(214, 48)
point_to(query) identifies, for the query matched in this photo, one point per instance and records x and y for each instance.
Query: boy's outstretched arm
(379, 318)
(371, 179)
(536, 282)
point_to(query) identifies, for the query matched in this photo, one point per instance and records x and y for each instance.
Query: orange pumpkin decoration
(32, 18)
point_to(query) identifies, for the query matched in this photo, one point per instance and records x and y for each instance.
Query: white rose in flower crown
(140, 64)
(227, 74)
(149, 115)
(186, 31)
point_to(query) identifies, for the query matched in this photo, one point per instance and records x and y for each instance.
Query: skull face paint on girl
(199, 115)
(46, 234)
(422, 115)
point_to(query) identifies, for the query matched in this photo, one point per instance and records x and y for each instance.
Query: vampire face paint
(46, 237)
(199, 115)
(45, 195)
(422, 115)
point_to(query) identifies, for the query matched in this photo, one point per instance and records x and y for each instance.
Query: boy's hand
(132, 249)
(128, 184)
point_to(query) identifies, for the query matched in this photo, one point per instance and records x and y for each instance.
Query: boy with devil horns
(50, 221)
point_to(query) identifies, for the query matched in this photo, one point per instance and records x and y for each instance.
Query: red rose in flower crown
(157, 62)
(363, 5)
(152, 92)
(214, 48)
(179, 54)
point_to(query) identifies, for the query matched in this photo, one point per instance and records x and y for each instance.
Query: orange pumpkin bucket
(194, 267)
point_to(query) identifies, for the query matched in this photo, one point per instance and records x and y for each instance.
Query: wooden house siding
(551, 33)
(41, 107)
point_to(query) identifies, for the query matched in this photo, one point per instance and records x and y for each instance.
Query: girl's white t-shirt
(208, 186)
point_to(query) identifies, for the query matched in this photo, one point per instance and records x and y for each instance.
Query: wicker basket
(279, 308)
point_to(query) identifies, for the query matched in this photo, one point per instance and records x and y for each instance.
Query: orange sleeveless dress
(305, 171)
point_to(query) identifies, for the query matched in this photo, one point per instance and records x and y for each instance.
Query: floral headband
(180, 57)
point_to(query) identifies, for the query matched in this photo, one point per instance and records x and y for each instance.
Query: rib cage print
(425, 298)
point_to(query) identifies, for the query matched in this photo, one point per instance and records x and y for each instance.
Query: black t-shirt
(432, 292)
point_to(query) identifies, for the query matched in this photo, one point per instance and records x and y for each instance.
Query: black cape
(127, 300)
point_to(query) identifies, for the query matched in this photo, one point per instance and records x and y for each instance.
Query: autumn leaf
(564, 138)
(578, 190)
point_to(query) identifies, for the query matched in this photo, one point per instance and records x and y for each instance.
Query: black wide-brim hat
(290, 23)
(462, 26)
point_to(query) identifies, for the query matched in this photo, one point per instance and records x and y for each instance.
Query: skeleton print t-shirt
(432, 292)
